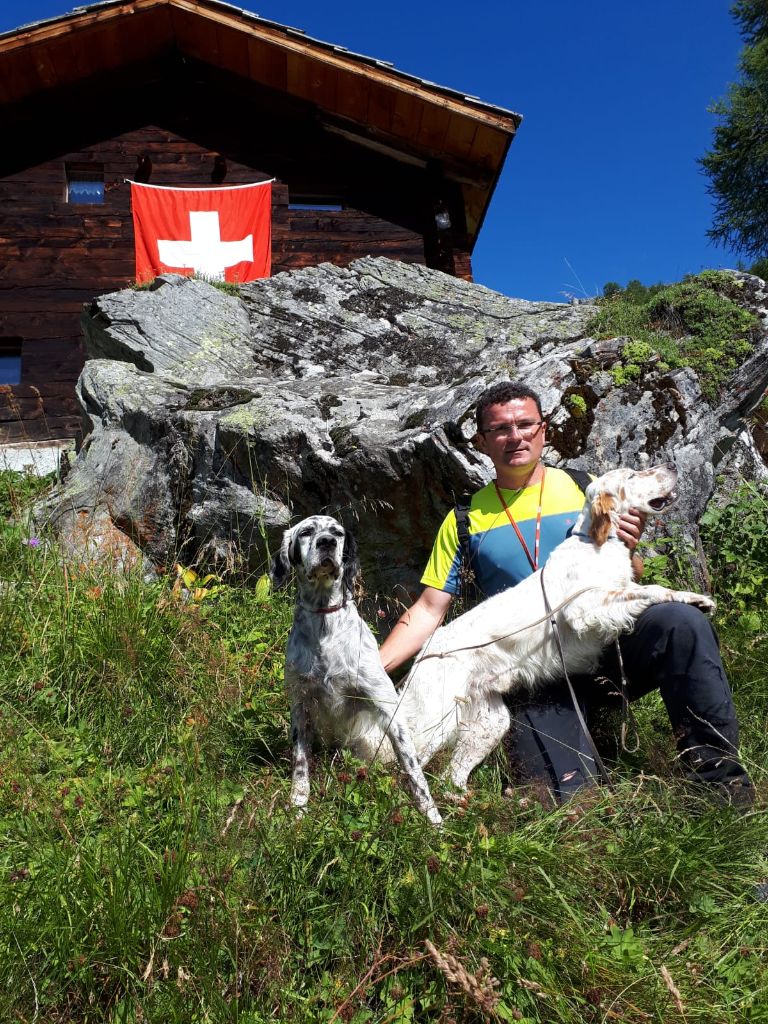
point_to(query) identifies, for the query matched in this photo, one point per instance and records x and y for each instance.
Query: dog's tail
(430, 704)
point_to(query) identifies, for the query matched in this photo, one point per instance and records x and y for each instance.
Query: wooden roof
(359, 97)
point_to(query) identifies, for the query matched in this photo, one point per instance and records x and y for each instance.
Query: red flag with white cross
(222, 234)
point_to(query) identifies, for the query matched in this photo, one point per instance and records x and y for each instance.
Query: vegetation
(150, 870)
(578, 405)
(229, 287)
(737, 164)
(696, 322)
(736, 535)
(634, 291)
(760, 268)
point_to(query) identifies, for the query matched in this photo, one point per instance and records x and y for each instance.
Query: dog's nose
(327, 542)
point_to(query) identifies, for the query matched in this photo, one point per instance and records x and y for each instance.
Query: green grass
(697, 322)
(151, 871)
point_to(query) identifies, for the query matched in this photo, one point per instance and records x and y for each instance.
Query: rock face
(215, 419)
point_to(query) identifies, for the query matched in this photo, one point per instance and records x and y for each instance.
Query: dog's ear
(602, 506)
(280, 569)
(350, 562)
(592, 491)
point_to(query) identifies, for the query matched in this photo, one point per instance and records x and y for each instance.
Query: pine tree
(737, 164)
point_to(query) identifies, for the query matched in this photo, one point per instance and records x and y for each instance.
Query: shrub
(735, 536)
(697, 322)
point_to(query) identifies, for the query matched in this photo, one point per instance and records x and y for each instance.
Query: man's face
(513, 434)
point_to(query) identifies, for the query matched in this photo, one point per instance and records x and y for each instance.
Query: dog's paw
(702, 602)
(433, 816)
(299, 808)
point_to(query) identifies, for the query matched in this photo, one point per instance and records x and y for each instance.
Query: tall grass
(151, 871)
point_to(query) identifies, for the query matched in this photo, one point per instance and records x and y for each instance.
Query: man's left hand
(630, 527)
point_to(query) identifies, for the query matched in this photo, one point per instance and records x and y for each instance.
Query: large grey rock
(215, 419)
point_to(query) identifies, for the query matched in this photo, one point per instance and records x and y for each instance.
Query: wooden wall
(55, 256)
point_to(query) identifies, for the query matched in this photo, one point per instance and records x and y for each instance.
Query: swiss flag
(223, 234)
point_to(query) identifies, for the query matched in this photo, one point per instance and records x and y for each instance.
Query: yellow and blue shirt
(497, 556)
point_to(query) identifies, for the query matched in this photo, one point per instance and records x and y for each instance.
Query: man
(513, 524)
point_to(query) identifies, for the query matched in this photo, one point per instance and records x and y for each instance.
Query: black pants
(672, 648)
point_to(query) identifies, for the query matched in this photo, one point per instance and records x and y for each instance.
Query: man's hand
(630, 527)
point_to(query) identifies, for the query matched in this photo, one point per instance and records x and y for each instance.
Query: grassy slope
(150, 871)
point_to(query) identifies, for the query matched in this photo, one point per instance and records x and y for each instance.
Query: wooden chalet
(367, 160)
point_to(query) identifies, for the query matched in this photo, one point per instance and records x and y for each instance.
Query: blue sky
(601, 183)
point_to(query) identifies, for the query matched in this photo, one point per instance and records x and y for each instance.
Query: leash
(627, 714)
(505, 636)
(599, 764)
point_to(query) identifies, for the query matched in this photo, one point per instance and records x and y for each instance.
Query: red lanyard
(535, 560)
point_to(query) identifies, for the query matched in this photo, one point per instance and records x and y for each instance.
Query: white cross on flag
(223, 234)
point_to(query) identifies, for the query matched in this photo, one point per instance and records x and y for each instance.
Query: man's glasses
(525, 429)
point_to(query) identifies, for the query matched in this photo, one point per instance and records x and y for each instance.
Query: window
(85, 183)
(10, 360)
(322, 203)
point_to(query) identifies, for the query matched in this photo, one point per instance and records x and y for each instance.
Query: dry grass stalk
(480, 987)
(673, 989)
(238, 804)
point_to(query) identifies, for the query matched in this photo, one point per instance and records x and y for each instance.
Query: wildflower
(188, 899)
(344, 777)
(32, 542)
(481, 911)
(93, 593)
(79, 802)
(433, 865)
(355, 835)
(594, 996)
(362, 774)
(396, 818)
(38, 685)
(172, 927)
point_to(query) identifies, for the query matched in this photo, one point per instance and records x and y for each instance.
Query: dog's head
(615, 492)
(321, 551)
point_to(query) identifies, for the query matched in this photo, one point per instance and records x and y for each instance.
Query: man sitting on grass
(512, 525)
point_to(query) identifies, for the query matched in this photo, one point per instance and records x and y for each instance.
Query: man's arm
(414, 627)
